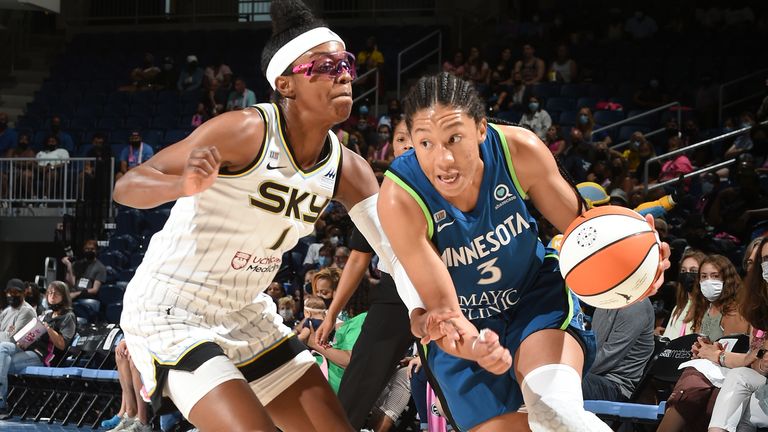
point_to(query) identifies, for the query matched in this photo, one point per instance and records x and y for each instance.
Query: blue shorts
(474, 395)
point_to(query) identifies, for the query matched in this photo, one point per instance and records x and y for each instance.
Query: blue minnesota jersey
(493, 252)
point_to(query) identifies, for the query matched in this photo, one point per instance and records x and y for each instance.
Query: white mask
(764, 265)
(711, 289)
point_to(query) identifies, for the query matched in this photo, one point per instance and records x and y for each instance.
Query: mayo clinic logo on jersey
(503, 195)
(257, 264)
(488, 303)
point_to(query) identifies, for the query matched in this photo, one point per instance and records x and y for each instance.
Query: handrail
(438, 50)
(644, 114)
(374, 89)
(720, 104)
(698, 172)
(706, 142)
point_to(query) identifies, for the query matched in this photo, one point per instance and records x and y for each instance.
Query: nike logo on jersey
(447, 224)
(270, 167)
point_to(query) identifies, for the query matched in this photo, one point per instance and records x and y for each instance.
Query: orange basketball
(610, 257)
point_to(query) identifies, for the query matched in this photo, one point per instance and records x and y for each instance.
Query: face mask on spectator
(383, 137)
(533, 106)
(135, 143)
(29, 299)
(745, 124)
(334, 240)
(324, 261)
(55, 128)
(14, 301)
(687, 280)
(327, 302)
(23, 145)
(50, 147)
(54, 307)
(287, 314)
(90, 255)
(308, 288)
(583, 119)
(707, 187)
(711, 289)
(764, 266)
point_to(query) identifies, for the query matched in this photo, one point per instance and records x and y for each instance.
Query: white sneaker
(138, 426)
(125, 423)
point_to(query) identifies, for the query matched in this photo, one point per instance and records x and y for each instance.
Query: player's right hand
(200, 171)
(324, 331)
(489, 353)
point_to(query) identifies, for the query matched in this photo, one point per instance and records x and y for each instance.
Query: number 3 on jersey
(493, 272)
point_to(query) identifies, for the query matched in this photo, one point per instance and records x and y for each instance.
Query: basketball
(610, 257)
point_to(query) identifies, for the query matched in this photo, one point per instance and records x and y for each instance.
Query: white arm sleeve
(366, 219)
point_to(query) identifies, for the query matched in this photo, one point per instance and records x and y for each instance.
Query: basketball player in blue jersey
(247, 184)
(455, 212)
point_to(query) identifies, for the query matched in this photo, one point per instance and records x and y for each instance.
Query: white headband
(302, 43)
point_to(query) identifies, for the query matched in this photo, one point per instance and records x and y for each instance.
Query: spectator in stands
(191, 77)
(346, 336)
(478, 71)
(402, 140)
(220, 72)
(531, 68)
(144, 77)
(554, 140)
(735, 208)
(501, 74)
(615, 30)
(86, 275)
(324, 284)
(315, 313)
(694, 394)
(750, 255)
(714, 309)
(514, 96)
(536, 118)
(640, 25)
(276, 291)
(624, 344)
(575, 158)
(677, 166)
(94, 179)
(632, 153)
(136, 153)
(651, 95)
(394, 113)
(17, 314)
(168, 76)
(135, 416)
(369, 58)
(563, 68)
(455, 66)
(340, 257)
(32, 296)
(585, 123)
(743, 143)
(60, 324)
(8, 136)
(286, 307)
(23, 170)
(65, 139)
(215, 99)
(680, 322)
(762, 112)
(241, 97)
(383, 153)
(50, 161)
(200, 116)
(392, 402)
(366, 124)
(356, 142)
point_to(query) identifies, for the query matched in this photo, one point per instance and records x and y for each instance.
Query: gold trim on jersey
(259, 157)
(261, 354)
(320, 165)
(171, 363)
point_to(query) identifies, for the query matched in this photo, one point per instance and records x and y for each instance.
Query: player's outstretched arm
(190, 166)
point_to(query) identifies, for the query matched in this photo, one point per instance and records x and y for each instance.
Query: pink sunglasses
(331, 65)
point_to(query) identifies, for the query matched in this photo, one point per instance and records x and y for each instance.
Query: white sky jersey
(204, 273)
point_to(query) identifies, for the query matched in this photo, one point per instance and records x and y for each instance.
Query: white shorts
(186, 388)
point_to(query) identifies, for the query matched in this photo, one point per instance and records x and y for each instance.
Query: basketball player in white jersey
(247, 184)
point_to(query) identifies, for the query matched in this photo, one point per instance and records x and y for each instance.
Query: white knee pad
(554, 402)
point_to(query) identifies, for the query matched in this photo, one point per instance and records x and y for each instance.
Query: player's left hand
(489, 353)
(663, 264)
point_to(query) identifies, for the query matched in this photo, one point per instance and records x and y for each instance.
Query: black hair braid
(444, 89)
(290, 18)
